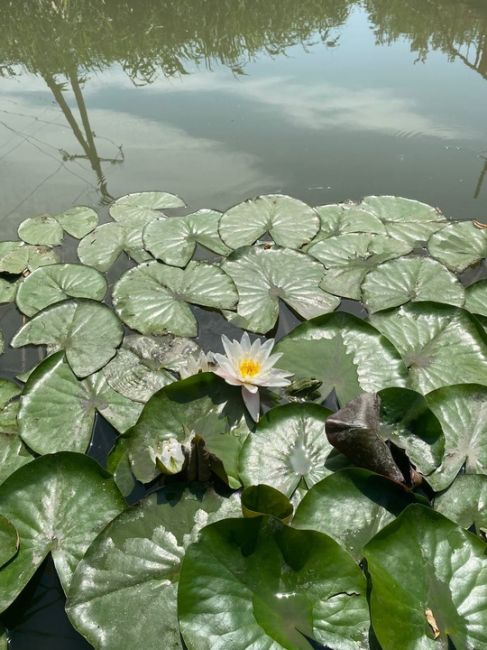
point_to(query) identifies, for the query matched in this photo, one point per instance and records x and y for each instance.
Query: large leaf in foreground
(345, 353)
(440, 345)
(290, 222)
(429, 582)
(86, 330)
(137, 559)
(256, 583)
(13, 452)
(414, 279)
(288, 445)
(351, 506)
(153, 298)
(459, 245)
(9, 541)
(465, 502)
(59, 504)
(462, 412)
(56, 282)
(263, 276)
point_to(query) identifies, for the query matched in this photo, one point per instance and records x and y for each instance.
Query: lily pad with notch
(459, 245)
(345, 218)
(140, 207)
(42, 230)
(78, 221)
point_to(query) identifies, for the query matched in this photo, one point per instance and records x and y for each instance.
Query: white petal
(226, 364)
(252, 388)
(229, 378)
(245, 343)
(252, 402)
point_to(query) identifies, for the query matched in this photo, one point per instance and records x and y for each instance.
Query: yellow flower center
(249, 368)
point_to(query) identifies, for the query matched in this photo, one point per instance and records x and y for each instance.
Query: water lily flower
(250, 365)
(196, 363)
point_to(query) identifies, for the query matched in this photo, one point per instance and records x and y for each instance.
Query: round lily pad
(41, 230)
(101, 247)
(290, 222)
(40, 256)
(263, 276)
(152, 298)
(344, 218)
(14, 256)
(50, 284)
(141, 207)
(78, 221)
(459, 245)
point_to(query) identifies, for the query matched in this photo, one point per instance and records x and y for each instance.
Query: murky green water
(218, 100)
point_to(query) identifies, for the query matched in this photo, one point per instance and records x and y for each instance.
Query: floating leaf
(9, 541)
(137, 558)
(152, 298)
(440, 571)
(50, 284)
(59, 504)
(343, 218)
(87, 331)
(142, 207)
(351, 506)
(348, 258)
(476, 298)
(345, 353)
(263, 276)
(101, 247)
(78, 221)
(57, 411)
(14, 256)
(440, 345)
(13, 453)
(290, 222)
(406, 220)
(42, 230)
(265, 500)
(40, 256)
(414, 279)
(288, 446)
(174, 240)
(465, 502)
(140, 366)
(260, 584)
(462, 412)
(459, 245)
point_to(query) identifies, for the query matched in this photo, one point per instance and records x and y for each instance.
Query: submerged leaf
(459, 245)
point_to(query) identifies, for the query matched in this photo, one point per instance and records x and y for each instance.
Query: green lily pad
(137, 559)
(140, 367)
(40, 256)
(465, 502)
(476, 298)
(288, 446)
(265, 500)
(42, 230)
(348, 258)
(462, 412)
(58, 504)
(429, 579)
(352, 505)
(174, 240)
(440, 345)
(414, 279)
(78, 221)
(263, 276)
(142, 207)
(57, 411)
(86, 330)
(101, 247)
(152, 298)
(13, 452)
(9, 541)
(14, 256)
(459, 245)
(405, 219)
(290, 222)
(260, 584)
(344, 218)
(50, 284)
(345, 353)
(202, 405)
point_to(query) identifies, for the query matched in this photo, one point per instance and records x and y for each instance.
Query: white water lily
(250, 365)
(196, 363)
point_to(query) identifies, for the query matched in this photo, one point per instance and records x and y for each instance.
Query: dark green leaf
(265, 500)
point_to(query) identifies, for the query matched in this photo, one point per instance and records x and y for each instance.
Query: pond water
(218, 100)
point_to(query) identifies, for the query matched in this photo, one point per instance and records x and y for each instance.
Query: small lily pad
(78, 221)
(345, 218)
(41, 256)
(459, 245)
(142, 207)
(101, 247)
(42, 230)
(14, 256)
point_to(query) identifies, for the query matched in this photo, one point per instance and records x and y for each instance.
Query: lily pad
(352, 505)
(459, 245)
(50, 284)
(78, 221)
(290, 222)
(101, 247)
(57, 411)
(476, 298)
(42, 230)
(265, 500)
(142, 207)
(257, 583)
(263, 276)
(86, 330)
(343, 218)
(137, 559)
(440, 345)
(152, 298)
(140, 367)
(14, 256)
(9, 541)
(174, 240)
(465, 502)
(348, 258)
(414, 279)
(405, 219)
(288, 446)
(345, 353)
(462, 412)
(58, 504)
(40, 256)
(13, 453)
(429, 583)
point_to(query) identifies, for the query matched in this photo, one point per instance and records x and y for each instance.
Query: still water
(219, 100)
